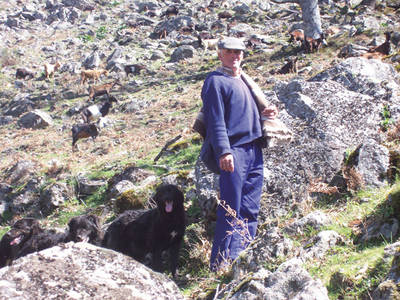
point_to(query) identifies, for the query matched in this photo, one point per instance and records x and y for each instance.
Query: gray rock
(314, 220)
(54, 196)
(21, 104)
(21, 172)
(270, 248)
(120, 187)
(182, 52)
(379, 230)
(26, 200)
(4, 120)
(366, 76)
(92, 61)
(83, 271)
(36, 119)
(290, 281)
(80, 4)
(327, 118)
(89, 187)
(388, 290)
(373, 163)
(321, 244)
(172, 24)
(157, 54)
(207, 186)
(352, 50)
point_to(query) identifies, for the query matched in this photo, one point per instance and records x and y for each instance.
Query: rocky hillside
(329, 220)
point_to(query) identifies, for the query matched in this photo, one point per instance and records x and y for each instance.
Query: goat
(96, 111)
(208, 44)
(296, 35)
(98, 90)
(373, 55)
(50, 69)
(224, 15)
(289, 67)
(253, 42)
(92, 74)
(170, 11)
(22, 73)
(134, 69)
(382, 48)
(312, 45)
(82, 131)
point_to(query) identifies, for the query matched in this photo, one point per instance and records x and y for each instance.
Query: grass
(353, 270)
(350, 272)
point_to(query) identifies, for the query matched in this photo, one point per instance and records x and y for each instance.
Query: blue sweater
(230, 113)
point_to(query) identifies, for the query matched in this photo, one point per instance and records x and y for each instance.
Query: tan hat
(231, 43)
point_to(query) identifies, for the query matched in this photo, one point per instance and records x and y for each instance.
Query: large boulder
(83, 271)
(329, 119)
(36, 119)
(289, 281)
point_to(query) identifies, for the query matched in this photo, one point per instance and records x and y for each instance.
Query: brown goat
(373, 55)
(98, 90)
(49, 69)
(92, 74)
(296, 35)
(383, 48)
(312, 45)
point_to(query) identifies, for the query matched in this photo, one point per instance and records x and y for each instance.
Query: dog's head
(14, 239)
(23, 229)
(169, 199)
(84, 228)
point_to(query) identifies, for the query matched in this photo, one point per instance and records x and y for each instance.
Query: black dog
(46, 238)
(12, 242)
(81, 228)
(85, 228)
(151, 232)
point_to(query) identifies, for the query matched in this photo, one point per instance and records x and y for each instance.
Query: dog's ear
(71, 223)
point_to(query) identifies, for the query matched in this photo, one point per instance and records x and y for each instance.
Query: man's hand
(270, 112)
(226, 162)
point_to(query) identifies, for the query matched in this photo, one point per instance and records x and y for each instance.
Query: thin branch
(166, 146)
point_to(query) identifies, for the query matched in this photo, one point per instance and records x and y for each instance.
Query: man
(233, 127)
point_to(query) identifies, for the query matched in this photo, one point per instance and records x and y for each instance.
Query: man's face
(230, 58)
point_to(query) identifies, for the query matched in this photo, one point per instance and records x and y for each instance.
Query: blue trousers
(241, 192)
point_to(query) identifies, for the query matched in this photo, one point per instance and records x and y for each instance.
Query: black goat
(22, 73)
(96, 111)
(382, 48)
(82, 131)
(134, 69)
(289, 67)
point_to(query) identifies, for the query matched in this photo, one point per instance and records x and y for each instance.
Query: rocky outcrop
(83, 271)
(329, 119)
(289, 281)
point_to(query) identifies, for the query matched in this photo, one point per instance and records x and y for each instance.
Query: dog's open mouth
(17, 240)
(168, 206)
